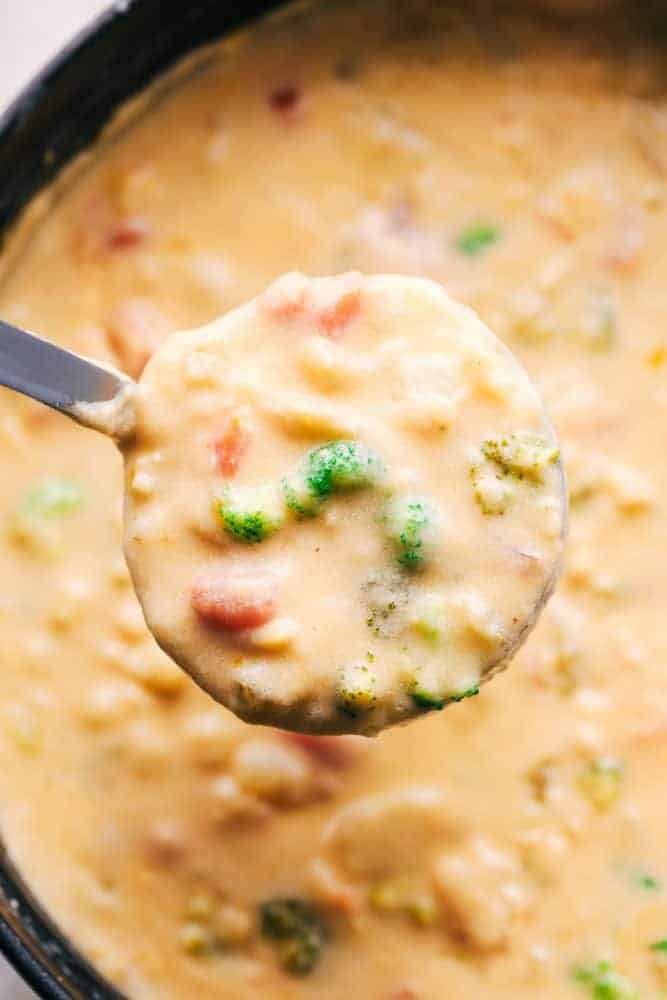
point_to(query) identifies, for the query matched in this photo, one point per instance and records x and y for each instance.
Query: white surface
(30, 32)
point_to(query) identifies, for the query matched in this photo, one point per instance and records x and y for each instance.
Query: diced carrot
(334, 318)
(286, 299)
(234, 599)
(335, 752)
(128, 234)
(230, 445)
(286, 100)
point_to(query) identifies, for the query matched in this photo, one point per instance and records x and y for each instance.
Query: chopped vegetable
(429, 616)
(298, 930)
(429, 693)
(660, 945)
(230, 445)
(233, 598)
(523, 456)
(491, 490)
(601, 780)
(405, 895)
(250, 514)
(35, 524)
(299, 497)
(604, 983)
(476, 238)
(411, 523)
(53, 498)
(195, 939)
(356, 688)
(647, 882)
(286, 100)
(334, 318)
(341, 466)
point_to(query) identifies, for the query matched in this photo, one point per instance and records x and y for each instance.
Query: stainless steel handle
(92, 395)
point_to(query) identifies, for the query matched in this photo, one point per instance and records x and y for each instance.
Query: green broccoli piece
(524, 456)
(298, 930)
(660, 945)
(411, 523)
(356, 689)
(299, 497)
(341, 466)
(429, 694)
(476, 238)
(52, 498)
(647, 882)
(604, 983)
(337, 467)
(250, 514)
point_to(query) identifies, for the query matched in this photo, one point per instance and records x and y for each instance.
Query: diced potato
(428, 412)
(310, 417)
(395, 832)
(210, 736)
(272, 771)
(275, 635)
(483, 889)
(231, 806)
(327, 365)
(232, 925)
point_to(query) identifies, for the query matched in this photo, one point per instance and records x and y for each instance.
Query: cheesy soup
(513, 846)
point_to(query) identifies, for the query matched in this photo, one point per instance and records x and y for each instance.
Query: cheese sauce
(513, 846)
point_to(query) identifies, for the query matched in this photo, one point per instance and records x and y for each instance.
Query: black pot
(57, 116)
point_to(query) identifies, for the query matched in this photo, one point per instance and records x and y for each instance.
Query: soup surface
(515, 845)
(367, 435)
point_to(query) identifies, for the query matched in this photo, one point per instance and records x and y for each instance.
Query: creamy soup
(344, 503)
(514, 845)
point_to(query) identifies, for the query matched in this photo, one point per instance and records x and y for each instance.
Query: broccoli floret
(491, 489)
(341, 466)
(337, 467)
(428, 693)
(299, 498)
(355, 689)
(604, 983)
(250, 514)
(524, 456)
(298, 930)
(411, 523)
